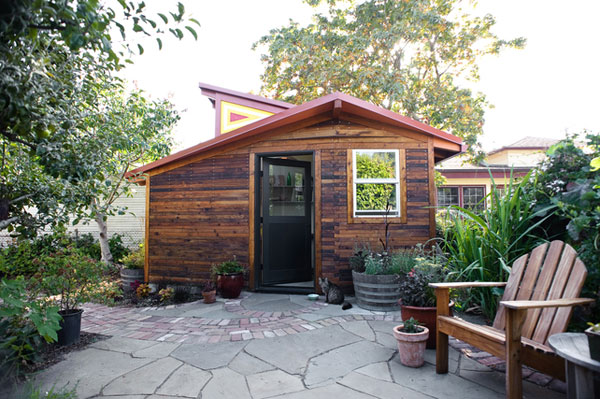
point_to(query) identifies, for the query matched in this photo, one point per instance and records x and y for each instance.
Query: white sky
(550, 87)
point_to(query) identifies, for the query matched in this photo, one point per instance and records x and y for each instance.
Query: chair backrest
(550, 271)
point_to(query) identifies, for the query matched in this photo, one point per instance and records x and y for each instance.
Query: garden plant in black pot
(70, 278)
(230, 278)
(593, 335)
(417, 299)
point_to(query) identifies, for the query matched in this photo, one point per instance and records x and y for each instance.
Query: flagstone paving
(267, 346)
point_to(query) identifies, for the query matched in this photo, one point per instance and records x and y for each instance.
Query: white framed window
(448, 196)
(376, 183)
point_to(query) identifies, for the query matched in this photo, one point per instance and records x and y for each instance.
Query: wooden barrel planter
(129, 276)
(377, 292)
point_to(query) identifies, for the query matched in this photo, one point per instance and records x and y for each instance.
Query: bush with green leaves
(481, 245)
(363, 260)
(135, 259)
(568, 181)
(70, 278)
(228, 267)
(414, 287)
(25, 323)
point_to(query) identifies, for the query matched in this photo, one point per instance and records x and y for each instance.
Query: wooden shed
(289, 194)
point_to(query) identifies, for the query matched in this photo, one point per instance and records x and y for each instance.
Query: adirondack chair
(537, 302)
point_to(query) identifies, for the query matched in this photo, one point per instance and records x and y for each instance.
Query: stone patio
(266, 346)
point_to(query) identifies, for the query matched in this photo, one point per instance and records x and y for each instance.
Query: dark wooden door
(286, 199)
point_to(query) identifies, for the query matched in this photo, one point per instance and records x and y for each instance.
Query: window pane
(447, 196)
(286, 191)
(472, 197)
(375, 165)
(375, 197)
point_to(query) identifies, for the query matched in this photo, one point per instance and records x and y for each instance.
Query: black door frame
(258, 223)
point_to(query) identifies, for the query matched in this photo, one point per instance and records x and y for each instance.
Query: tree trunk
(103, 230)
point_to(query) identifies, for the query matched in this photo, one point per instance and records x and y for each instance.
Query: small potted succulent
(209, 292)
(70, 278)
(593, 335)
(417, 299)
(133, 268)
(230, 278)
(411, 338)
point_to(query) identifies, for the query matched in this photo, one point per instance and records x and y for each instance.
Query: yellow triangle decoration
(234, 116)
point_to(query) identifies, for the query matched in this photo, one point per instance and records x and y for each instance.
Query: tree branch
(21, 198)
(4, 223)
(13, 137)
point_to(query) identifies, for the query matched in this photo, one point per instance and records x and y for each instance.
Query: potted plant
(376, 277)
(411, 338)
(70, 278)
(417, 299)
(209, 292)
(593, 335)
(133, 268)
(230, 278)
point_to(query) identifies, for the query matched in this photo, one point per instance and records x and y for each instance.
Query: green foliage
(414, 288)
(70, 277)
(59, 58)
(567, 180)
(400, 262)
(406, 56)
(411, 326)
(35, 392)
(375, 196)
(135, 260)
(25, 321)
(481, 246)
(228, 267)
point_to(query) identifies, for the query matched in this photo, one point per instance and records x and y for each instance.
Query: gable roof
(528, 143)
(445, 144)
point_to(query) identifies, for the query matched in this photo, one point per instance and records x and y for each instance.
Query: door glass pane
(286, 190)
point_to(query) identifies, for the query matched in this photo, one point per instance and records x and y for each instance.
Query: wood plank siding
(200, 211)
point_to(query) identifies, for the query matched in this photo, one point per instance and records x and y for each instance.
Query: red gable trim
(330, 103)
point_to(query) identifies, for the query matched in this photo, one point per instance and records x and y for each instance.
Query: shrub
(414, 288)
(135, 260)
(481, 246)
(118, 249)
(142, 291)
(88, 245)
(228, 267)
(165, 294)
(24, 323)
(567, 181)
(70, 277)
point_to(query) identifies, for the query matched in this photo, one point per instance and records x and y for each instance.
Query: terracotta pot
(411, 347)
(426, 317)
(230, 285)
(209, 296)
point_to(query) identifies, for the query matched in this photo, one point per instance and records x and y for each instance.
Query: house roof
(445, 144)
(212, 91)
(528, 143)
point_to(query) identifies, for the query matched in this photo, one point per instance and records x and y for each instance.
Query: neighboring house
(467, 184)
(131, 225)
(284, 194)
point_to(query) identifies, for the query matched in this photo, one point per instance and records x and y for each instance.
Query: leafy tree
(57, 57)
(407, 56)
(128, 130)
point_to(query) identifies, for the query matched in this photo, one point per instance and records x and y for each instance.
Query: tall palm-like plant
(482, 244)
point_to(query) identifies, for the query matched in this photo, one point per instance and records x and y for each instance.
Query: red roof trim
(300, 112)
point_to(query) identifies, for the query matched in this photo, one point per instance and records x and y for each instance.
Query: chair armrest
(551, 303)
(473, 284)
